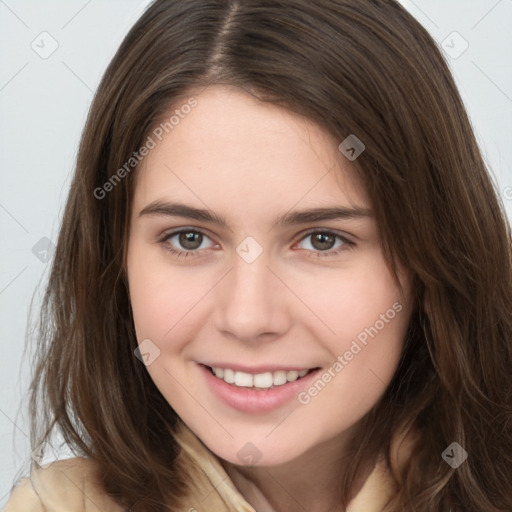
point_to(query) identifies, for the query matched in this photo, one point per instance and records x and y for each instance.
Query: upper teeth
(260, 380)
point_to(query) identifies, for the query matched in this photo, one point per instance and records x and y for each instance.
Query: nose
(251, 302)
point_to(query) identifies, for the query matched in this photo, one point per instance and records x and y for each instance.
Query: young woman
(283, 279)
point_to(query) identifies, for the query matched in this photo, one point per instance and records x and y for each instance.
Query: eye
(186, 242)
(325, 243)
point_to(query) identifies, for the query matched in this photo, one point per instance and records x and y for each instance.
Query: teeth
(279, 378)
(261, 380)
(292, 375)
(244, 380)
(229, 376)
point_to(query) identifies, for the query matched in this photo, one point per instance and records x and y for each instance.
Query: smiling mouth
(266, 380)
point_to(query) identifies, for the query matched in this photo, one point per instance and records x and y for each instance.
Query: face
(253, 254)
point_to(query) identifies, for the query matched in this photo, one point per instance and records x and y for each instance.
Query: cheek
(369, 316)
(354, 301)
(166, 304)
(165, 300)
(152, 295)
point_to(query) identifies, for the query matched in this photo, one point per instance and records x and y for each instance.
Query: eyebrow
(165, 209)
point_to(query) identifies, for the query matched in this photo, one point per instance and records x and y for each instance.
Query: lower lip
(253, 400)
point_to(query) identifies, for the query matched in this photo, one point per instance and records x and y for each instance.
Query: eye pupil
(323, 241)
(190, 240)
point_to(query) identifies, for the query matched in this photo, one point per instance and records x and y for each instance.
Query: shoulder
(72, 485)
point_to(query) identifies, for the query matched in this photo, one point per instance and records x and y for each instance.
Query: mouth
(261, 381)
(256, 390)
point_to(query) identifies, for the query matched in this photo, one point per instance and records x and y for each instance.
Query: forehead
(232, 151)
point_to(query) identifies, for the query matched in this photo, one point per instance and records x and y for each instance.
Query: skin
(252, 162)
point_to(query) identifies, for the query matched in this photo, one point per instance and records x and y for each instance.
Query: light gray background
(43, 105)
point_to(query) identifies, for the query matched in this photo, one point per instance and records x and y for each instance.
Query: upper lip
(254, 370)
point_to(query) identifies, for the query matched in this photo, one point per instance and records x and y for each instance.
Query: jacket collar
(214, 491)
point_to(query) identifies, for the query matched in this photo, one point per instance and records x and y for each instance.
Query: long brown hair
(354, 67)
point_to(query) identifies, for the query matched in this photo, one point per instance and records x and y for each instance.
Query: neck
(310, 482)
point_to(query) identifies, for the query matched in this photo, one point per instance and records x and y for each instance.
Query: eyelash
(347, 244)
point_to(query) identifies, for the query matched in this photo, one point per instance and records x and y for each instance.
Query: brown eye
(190, 240)
(187, 241)
(325, 243)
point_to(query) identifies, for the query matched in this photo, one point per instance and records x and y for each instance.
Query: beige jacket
(72, 485)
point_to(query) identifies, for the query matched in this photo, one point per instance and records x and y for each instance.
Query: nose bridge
(252, 279)
(251, 300)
